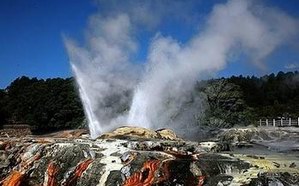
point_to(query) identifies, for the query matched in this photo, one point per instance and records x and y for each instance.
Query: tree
(3, 110)
(226, 106)
(45, 105)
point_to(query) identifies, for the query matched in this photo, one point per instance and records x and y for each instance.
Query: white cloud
(291, 66)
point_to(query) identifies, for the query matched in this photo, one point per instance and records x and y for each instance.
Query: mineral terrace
(131, 156)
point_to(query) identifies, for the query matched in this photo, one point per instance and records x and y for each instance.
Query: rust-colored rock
(76, 133)
(72, 180)
(14, 179)
(201, 180)
(166, 172)
(50, 177)
(135, 159)
(146, 176)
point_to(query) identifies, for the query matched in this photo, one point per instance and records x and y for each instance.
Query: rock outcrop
(140, 133)
(131, 156)
(278, 139)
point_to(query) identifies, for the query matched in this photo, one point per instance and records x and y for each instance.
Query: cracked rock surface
(132, 156)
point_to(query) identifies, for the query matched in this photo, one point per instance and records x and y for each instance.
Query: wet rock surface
(131, 156)
(283, 139)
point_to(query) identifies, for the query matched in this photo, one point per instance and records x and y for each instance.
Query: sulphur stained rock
(167, 134)
(269, 170)
(275, 138)
(148, 159)
(127, 132)
(130, 132)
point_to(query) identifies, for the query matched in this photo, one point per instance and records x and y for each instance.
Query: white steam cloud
(105, 69)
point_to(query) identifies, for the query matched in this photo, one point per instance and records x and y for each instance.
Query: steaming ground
(107, 73)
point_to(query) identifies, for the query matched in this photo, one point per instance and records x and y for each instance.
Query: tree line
(46, 105)
(54, 104)
(244, 100)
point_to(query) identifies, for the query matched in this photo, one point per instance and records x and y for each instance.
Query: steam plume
(173, 68)
(105, 69)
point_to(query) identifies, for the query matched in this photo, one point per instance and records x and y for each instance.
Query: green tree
(50, 104)
(3, 110)
(226, 106)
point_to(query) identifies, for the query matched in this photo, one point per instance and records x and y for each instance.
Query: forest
(244, 100)
(46, 105)
(54, 104)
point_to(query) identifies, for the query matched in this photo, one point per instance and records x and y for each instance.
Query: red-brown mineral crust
(72, 180)
(146, 176)
(132, 156)
(14, 179)
(50, 178)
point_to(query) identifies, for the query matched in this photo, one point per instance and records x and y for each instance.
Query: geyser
(103, 72)
(105, 68)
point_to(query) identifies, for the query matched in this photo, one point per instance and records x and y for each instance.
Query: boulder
(128, 132)
(167, 134)
(275, 138)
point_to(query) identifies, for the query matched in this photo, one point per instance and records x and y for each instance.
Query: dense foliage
(245, 100)
(44, 104)
(225, 104)
(54, 104)
(271, 95)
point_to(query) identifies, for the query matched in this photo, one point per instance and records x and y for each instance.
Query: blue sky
(31, 41)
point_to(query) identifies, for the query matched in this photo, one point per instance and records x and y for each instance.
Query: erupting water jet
(171, 68)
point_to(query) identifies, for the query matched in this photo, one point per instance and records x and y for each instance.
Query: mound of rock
(279, 139)
(131, 156)
(140, 133)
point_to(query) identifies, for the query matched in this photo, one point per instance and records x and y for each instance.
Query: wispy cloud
(291, 66)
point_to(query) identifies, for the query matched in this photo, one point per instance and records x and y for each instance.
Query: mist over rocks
(106, 65)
